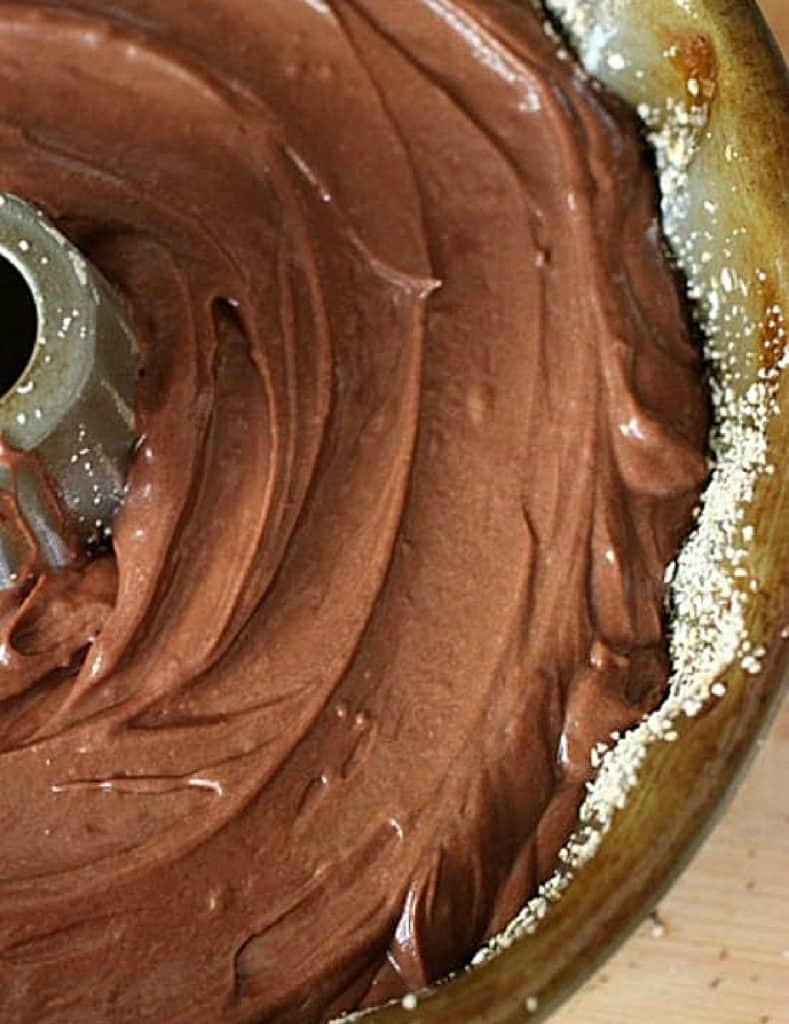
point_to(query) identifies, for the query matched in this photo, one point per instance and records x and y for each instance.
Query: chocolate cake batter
(421, 427)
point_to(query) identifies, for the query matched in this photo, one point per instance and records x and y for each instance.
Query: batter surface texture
(421, 426)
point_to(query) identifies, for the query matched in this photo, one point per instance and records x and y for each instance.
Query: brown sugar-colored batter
(421, 427)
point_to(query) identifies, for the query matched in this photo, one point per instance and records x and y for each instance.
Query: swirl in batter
(421, 426)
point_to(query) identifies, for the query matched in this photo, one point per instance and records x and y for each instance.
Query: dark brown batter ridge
(421, 428)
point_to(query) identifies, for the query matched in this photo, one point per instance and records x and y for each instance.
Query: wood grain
(717, 950)
(777, 13)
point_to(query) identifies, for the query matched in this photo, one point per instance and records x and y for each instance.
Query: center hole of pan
(19, 325)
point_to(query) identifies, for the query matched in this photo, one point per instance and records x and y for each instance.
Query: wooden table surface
(777, 12)
(717, 950)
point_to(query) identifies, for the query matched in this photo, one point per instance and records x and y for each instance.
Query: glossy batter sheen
(421, 427)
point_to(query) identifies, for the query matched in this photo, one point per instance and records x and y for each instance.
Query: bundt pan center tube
(67, 372)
